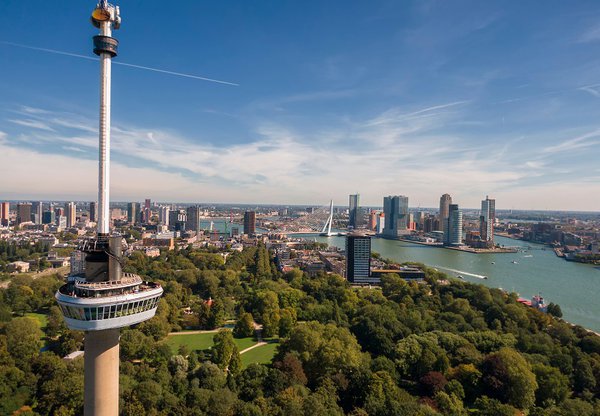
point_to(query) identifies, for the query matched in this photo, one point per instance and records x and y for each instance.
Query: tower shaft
(104, 133)
(101, 373)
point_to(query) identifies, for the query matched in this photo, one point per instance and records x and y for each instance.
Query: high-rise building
(249, 222)
(193, 218)
(380, 223)
(4, 213)
(178, 220)
(163, 215)
(36, 212)
(133, 213)
(102, 299)
(395, 209)
(147, 211)
(358, 259)
(48, 217)
(373, 220)
(487, 220)
(59, 211)
(354, 217)
(445, 201)
(23, 212)
(93, 212)
(454, 234)
(71, 210)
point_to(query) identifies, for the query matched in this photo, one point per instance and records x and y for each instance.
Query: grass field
(260, 355)
(41, 318)
(203, 341)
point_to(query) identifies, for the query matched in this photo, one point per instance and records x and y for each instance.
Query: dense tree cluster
(438, 347)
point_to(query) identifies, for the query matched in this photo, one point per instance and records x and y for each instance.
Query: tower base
(101, 373)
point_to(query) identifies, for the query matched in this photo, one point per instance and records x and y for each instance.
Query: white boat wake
(479, 276)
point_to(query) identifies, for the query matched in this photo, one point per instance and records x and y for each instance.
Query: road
(60, 270)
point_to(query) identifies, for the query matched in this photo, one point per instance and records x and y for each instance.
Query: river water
(574, 286)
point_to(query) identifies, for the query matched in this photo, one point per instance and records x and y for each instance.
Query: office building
(178, 220)
(445, 201)
(163, 215)
(133, 213)
(395, 209)
(93, 212)
(193, 218)
(249, 222)
(454, 234)
(147, 211)
(71, 213)
(23, 212)
(373, 220)
(48, 217)
(358, 259)
(36, 212)
(4, 213)
(354, 213)
(487, 219)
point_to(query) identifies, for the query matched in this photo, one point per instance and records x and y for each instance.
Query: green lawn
(203, 341)
(260, 355)
(42, 319)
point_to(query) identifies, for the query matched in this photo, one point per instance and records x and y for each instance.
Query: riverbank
(466, 249)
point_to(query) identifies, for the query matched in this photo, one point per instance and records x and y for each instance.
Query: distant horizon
(280, 205)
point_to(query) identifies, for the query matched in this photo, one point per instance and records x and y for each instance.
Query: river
(574, 286)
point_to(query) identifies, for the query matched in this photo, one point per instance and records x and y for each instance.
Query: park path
(60, 270)
(257, 328)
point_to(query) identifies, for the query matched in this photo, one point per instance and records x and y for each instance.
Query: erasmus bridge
(318, 221)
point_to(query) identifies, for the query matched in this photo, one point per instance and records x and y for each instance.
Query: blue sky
(417, 98)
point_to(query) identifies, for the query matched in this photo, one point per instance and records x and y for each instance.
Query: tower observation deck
(101, 299)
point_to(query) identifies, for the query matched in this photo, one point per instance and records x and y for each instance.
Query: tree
(244, 327)
(225, 353)
(508, 377)
(553, 386)
(24, 340)
(554, 310)
(287, 321)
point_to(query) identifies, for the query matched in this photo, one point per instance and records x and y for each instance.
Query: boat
(460, 276)
(514, 262)
(529, 255)
(493, 262)
(485, 277)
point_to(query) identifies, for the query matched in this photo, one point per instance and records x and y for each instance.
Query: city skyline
(497, 103)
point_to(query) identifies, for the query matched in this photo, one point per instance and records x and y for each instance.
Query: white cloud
(395, 152)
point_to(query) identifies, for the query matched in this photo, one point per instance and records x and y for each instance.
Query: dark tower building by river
(487, 220)
(354, 216)
(358, 258)
(445, 201)
(249, 222)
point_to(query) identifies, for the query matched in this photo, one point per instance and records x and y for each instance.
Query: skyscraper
(454, 235)
(4, 213)
(249, 222)
(133, 213)
(163, 215)
(354, 216)
(93, 212)
(48, 217)
(23, 212)
(445, 201)
(102, 299)
(395, 209)
(71, 211)
(36, 212)
(193, 218)
(487, 220)
(358, 259)
(147, 211)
